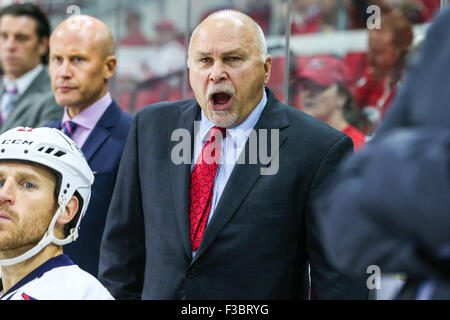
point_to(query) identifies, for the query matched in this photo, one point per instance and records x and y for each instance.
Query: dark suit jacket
(35, 107)
(396, 194)
(102, 150)
(263, 232)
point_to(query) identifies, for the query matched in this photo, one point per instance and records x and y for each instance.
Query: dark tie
(69, 128)
(202, 183)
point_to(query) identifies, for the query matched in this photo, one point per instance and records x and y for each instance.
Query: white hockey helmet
(52, 149)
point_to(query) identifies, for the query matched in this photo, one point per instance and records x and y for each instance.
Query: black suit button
(190, 273)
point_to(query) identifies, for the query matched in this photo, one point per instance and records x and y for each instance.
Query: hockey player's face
(27, 206)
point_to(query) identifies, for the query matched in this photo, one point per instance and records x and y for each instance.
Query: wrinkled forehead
(228, 33)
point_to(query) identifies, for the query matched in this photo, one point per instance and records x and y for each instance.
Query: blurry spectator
(306, 16)
(414, 10)
(134, 35)
(388, 48)
(169, 53)
(310, 16)
(26, 94)
(325, 95)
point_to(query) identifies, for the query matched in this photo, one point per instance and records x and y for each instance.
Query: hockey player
(45, 186)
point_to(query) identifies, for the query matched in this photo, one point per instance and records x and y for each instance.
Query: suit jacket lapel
(100, 131)
(244, 176)
(180, 173)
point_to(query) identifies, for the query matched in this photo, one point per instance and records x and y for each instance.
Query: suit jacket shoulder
(36, 107)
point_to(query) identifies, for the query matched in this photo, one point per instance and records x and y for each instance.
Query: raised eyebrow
(238, 52)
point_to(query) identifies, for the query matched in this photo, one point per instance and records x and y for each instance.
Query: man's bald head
(89, 28)
(238, 19)
(81, 62)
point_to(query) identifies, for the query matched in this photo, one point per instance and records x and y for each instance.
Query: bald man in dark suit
(232, 229)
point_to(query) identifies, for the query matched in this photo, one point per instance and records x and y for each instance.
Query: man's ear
(110, 67)
(267, 69)
(69, 213)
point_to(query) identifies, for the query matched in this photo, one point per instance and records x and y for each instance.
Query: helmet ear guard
(52, 149)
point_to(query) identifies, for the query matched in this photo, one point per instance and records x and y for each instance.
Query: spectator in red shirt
(325, 95)
(387, 54)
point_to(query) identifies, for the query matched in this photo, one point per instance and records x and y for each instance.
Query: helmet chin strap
(48, 238)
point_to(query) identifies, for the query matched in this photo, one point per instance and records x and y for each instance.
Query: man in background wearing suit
(260, 230)
(26, 93)
(81, 63)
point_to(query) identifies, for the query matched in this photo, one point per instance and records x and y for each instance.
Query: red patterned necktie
(202, 182)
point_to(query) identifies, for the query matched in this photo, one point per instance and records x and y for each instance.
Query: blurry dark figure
(390, 202)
